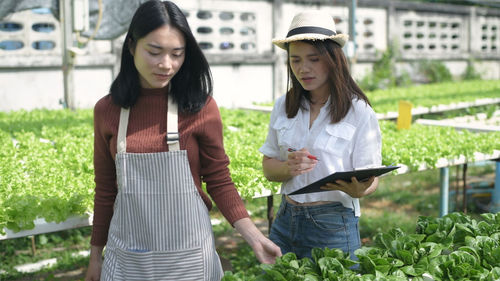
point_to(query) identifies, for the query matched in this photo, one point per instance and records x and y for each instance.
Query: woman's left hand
(266, 251)
(355, 188)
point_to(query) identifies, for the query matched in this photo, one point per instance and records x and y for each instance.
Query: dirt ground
(229, 243)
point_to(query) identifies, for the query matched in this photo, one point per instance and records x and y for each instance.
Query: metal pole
(444, 192)
(464, 196)
(351, 44)
(278, 89)
(278, 61)
(66, 21)
(495, 196)
(270, 212)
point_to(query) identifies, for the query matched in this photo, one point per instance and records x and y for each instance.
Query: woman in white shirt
(324, 124)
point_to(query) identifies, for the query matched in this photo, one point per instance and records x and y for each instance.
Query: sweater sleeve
(214, 166)
(104, 172)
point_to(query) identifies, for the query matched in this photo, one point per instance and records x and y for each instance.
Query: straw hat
(312, 25)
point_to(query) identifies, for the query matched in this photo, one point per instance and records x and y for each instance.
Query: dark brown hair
(342, 86)
(193, 82)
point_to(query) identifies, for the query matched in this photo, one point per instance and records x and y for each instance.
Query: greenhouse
(429, 69)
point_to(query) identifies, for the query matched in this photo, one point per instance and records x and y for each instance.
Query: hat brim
(341, 39)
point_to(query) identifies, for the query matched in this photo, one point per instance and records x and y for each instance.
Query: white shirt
(353, 143)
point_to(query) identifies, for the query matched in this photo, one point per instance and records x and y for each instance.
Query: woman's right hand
(95, 264)
(300, 162)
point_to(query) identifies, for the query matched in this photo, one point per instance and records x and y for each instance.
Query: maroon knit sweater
(200, 135)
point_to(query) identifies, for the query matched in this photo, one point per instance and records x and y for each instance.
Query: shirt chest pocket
(285, 132)
(336, 139)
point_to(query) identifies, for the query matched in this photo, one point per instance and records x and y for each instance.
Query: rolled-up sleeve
(270, 148)
(368, 142)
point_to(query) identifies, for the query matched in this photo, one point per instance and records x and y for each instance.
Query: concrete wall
(236, 37)
(33, 78)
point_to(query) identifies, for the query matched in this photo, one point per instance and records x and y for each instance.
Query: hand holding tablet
(361, 176)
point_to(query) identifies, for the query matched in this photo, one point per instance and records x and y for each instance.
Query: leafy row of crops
(430, 95)
(46, 169)
(454, 247)
(423, 146)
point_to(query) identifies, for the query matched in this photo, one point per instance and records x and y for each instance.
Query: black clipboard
(361, 175)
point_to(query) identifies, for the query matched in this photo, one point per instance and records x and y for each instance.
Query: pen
(308, 156)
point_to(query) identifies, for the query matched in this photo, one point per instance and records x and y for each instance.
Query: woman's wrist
(276, 170)
(96, 252)
(248, 231)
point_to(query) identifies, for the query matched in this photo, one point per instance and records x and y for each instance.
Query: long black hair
(342, 86)
(192, 84)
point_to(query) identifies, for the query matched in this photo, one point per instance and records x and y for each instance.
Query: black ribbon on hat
(310, 29)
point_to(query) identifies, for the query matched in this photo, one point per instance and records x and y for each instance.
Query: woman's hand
(300, 162)
(355, 188)
(265, 250)
(95, 264)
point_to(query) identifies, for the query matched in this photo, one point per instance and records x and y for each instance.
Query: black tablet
(361, 175)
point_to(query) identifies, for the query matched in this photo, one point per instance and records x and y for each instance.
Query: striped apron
(160, 228)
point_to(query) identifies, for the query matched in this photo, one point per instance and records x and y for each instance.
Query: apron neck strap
(121, 141)
(172, 137)
(172, 129)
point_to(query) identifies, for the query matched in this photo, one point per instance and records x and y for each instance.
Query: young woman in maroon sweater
(149, 208)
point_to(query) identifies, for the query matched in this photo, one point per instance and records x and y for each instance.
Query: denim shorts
(299, 229)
